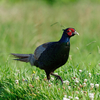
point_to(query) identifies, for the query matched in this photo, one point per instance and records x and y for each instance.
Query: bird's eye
(69, 30)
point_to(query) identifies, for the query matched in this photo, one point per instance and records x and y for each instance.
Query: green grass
(26, 25)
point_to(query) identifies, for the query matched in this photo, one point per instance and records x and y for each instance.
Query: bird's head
(70, 32)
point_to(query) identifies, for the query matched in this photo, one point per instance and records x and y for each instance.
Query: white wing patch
(38, 51)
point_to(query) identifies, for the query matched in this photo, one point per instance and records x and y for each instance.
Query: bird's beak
(76, 33)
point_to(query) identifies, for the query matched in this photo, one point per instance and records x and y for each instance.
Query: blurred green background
(25, 24)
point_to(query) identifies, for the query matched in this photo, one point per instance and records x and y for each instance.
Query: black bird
(50, 56)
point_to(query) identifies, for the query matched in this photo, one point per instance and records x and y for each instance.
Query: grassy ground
(26, 25)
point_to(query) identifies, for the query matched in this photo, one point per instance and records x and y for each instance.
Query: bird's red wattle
(69, 33)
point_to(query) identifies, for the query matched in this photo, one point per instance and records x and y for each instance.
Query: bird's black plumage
(50, 56)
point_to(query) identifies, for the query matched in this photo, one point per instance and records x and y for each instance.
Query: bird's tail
(24, 58)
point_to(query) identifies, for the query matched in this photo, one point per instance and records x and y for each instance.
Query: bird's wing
(39, 50)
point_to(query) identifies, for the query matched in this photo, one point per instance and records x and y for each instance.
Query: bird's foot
(59, 78)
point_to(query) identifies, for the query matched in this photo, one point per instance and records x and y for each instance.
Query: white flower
(56, 73)
(97, 85)
(84, 84)
(52, 78)
(76, 80)
(50, 83)
(64, 98)
(81, 91)
(37, 78)
(76, 98)
(69, 87)
(91, 96)
(77, 48)
(80, 70)
(98, 74)
(89, 74)
(85, 80)
(66, 81)
(70, 97)
(92, 85)
(16, 81)
(33, 74)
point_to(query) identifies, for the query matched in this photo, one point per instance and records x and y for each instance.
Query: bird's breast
(54, 56)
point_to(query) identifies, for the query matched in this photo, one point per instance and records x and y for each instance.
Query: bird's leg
(48, 75)
(58, 77)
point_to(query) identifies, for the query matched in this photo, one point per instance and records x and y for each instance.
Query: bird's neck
(64, 38)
